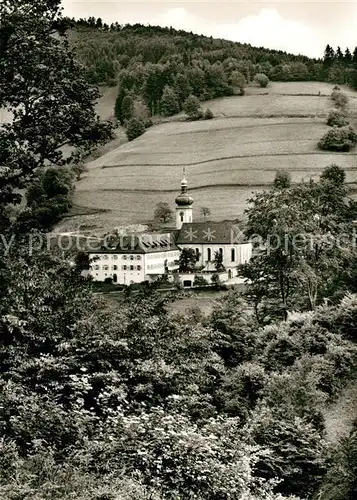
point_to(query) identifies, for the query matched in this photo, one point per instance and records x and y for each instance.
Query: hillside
(106, 50)
(226, 158)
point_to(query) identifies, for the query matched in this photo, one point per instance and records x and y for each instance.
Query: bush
(338, 139)
(339, 99)
(148, 123)
(337, 118)
(261, 79)
(200, 281)
(282, 180)
(135, 128)
(208, 114)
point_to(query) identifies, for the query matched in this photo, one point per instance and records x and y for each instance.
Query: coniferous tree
(348, 56)
(329, 55)
(339, 55)
(169, 102)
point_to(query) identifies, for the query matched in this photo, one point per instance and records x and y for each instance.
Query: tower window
(233, 255)
(209, 254)
(181, 216)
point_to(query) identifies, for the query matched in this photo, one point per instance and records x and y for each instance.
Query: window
(125, 257)
(97, 267)
(131, 268)
(114, 257)
(138, 257)
(105, 268)
(131, 257)
(221, 252)
(181, 216)
(115, 268)
(209, 254)
(124, 268)
(105, 257)
(197, 254)
(139, 268)
(233, 255)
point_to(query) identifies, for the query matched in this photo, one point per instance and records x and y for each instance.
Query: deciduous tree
(44, 87)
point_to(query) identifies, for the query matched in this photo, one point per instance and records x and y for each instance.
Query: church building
(145, 257)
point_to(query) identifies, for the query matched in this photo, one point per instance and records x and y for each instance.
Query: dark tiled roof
(214, 233)
(142, 243)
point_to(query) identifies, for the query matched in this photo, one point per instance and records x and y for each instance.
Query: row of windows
(162, 255)
(115, 268)
(155, 266)
(131, 268)
(210, 254)
(115, 257)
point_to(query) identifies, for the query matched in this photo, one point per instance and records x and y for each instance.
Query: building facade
(135, 259)
(145, 257)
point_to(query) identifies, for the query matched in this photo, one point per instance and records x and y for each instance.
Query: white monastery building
(145, 257)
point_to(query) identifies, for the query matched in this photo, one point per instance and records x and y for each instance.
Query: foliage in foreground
(51, 102)
(172, 406)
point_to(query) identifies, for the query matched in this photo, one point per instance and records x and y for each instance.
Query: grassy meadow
(226, 158)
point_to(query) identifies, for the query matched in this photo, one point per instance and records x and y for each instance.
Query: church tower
(184, 204)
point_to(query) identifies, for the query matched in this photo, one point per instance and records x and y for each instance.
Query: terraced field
(225, 158)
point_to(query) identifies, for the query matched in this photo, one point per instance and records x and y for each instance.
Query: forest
(100, 402)
(157, 69)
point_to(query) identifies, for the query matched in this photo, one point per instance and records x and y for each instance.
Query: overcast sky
(303, 27)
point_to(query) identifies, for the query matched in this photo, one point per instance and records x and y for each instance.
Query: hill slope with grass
(226, 158)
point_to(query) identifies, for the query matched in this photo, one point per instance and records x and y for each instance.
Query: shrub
(200, 281)
(338, 139)
(339, 99)
(208, 114)
(261, 79)
(282, 180)
(148, 123)
(337, 118)
(135, 128)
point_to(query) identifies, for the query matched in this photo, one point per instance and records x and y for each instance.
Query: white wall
(132, 268)
(242, 254)
(187, 216)
(155, 262)
(129, 268)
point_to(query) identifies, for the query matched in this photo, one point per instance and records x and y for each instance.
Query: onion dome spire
(183, 198)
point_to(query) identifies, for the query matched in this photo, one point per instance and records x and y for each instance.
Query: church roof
(211, 233)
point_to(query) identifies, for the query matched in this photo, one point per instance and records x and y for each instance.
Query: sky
(299, 27)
